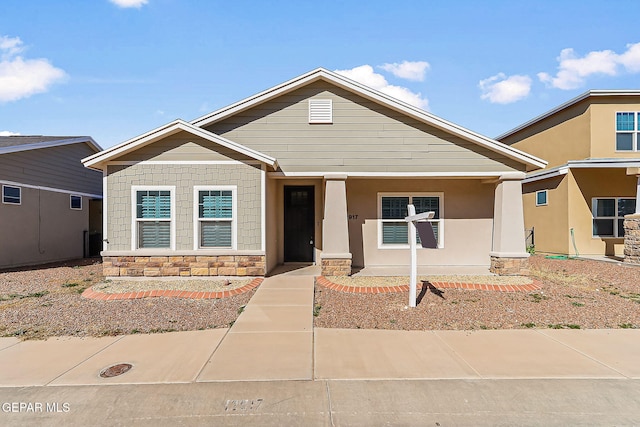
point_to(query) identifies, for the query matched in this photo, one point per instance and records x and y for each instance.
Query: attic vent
(320, 111)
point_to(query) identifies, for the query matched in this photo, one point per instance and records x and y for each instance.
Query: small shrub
(577, 304)
(69, 285)
(529, 325)
(316, 310)
(627, 326)
(538, 297)
(531, 249)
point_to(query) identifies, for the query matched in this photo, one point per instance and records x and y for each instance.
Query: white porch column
(336, 258)
(508, 252)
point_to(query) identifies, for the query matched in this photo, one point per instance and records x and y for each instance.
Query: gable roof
(167, 130)
(17, 143)
(569, 103)
(375, 96)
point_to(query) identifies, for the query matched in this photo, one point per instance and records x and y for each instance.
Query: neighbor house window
(11, 195)
(541, 198)
(76, 202)
(394, 230)
(628, 131)
(216, 217)
(153, 217)
(608, 215)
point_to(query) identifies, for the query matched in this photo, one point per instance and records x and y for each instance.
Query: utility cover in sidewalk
(115, 370)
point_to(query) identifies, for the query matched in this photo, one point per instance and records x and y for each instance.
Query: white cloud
(364, 74)
(8, 133)
(21, 78)
(574, 70)
(500, 89)
(129, 3)
(407, 69)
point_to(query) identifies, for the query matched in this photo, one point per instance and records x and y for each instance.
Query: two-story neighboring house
(51, 206)
(578, 202)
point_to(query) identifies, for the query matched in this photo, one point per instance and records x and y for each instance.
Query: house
(51, 204)
(577, 204)
(317, 169)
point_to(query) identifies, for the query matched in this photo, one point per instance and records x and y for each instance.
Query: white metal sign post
(411, 220)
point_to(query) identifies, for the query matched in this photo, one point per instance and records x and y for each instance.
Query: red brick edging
(91, 294)
(323, 281)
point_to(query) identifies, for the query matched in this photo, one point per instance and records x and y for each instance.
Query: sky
(115, 69)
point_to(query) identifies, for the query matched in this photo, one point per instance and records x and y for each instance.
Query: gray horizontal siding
(182, 146)
(55, 167)
(364, 137)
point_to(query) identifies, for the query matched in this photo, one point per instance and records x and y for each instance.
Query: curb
(324, 282)
(89, 293)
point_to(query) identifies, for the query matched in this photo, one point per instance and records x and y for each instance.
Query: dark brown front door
(299, 211)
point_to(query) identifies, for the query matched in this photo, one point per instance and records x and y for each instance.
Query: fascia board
(551, 173)
(49, 144)
(603, 163)
(379, 98)
(167, 130)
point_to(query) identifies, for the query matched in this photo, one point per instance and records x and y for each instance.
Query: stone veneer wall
(336, 267)
(632, 239)
(509, 266)
(156, 266)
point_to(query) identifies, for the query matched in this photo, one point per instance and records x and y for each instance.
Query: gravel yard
(575, 294)
(46, 301)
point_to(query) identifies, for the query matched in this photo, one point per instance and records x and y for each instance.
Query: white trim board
(582, 164)
(55, 190)
(95, 161)
(49, 144)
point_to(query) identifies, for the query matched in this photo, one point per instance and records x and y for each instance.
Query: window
(320, 111)
(628, 131)
(153, 217)
(394, 230)
(11, 195)
(215, 224)
(608, 215)
(541, 198)
(76, 203)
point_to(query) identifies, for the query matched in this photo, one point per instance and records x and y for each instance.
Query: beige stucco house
(51, 204)
(317, 169)
(592, 180)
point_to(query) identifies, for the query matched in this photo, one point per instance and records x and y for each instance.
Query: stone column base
(336, 266)
(632, 239)
(158, 266)
(505, 266)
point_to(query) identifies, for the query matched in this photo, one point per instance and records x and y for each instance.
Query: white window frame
(546, 197)
(134, 219)
(410, 194)
(635, 138)
(19, 195)
(71, 196)
(322, 103)
(234, 215)
(615, 218)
